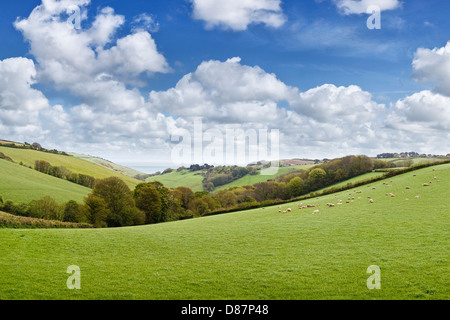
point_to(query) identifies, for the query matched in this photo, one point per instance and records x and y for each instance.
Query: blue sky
(303, 45)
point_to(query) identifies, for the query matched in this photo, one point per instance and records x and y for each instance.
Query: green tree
(71, 209)
(296, 186)
(148, 199)
(119, 200)
(200, 207)
(98, 211)
(163, 194)
(187, 196)
(46, 208)
(226, 198)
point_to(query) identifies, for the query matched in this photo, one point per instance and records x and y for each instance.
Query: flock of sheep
(351, 197)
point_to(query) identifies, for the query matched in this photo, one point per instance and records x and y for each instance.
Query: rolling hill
(21, 185)
(76, 165)
(253, 255)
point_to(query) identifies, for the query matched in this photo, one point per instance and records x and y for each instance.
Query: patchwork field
(256, 254)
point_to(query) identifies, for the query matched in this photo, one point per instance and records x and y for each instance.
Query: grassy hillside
(256, 254)
(251, 180)
(22, 185)
(192, 180)
(108, 164)
(28, 157)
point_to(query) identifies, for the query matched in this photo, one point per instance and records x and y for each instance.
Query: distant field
(21, 185)
(253, 255)
(248, 179)
(415, 160)
(193, 180)
(184, 178)
(28, 157)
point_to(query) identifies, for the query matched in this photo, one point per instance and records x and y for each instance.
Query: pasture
(21, 185)
(256, 254)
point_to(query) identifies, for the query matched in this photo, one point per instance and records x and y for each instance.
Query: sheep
(425, 185)
(371, 201)
(315, 212)
(284, 211)
(418, 197)
(289, 209)
(407, 187)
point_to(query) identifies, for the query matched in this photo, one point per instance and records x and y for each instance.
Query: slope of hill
(108, 164)
(28, 157)
(21, 185)
(253, 255)
(185, 178)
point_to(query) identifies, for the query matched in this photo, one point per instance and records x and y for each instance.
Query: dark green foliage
(71, 211)
(97, 210)
(46, 208)
(119, 201)
(64, 173)
(148, 199)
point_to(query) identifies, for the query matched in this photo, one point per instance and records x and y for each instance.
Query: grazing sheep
(408, 187)
(425, 185)
(418, 197)
(284, 211)
(315, 212)
(289, 209)
(371, 201)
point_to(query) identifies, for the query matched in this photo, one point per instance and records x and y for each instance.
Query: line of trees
(64, 173)
(34, 146)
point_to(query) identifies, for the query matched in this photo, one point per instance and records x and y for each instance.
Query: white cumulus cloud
(433, 66)
(237, 15)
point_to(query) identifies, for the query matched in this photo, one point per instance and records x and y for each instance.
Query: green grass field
(21, 185)
(28, 157)
(251, 180)
(257, 254)
(192, 180)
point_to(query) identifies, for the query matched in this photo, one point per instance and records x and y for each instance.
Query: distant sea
(145, 168)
